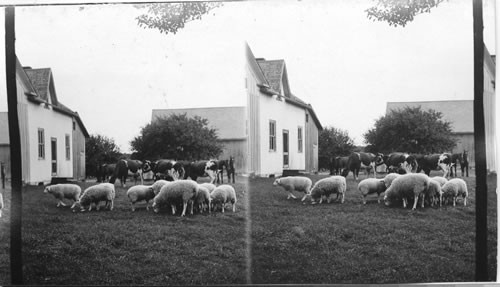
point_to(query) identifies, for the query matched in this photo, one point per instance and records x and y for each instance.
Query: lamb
(180, 191)
(139, 193)
(157, 185)
(407, 185)
(222, 195)
(440, 179)
(202, 198)
(95, 194)
(370, 186)
(454, 188)
(327, 186)
(209, 186)
(297, 183)
(64, 190)
(434, 191)
(389, 178)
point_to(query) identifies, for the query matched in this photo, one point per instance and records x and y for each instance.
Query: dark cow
(337, 164)
(427, 163)
(122, 169)
(456, 159)
(371, 161)
(167, 169)
(397, 160)
(462, 159)
(230, 169)
(200, 169)
(464, 163)
(105, 171)
(221, 165)
(353, 164)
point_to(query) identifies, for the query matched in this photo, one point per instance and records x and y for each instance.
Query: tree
(177, 137)
(170, 17)
(400, 12)
(333, 142)
(411, 130)
(98, 150)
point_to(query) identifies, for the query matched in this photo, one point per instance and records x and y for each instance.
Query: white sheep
(177, 192)
(221, 195)
(295, 183)
(327, 186)
(410, 185)
(440, 179)
(1, 204)
(434, 191)
(202, 198)
(389, 178)
(95, 194)
(370, 186)
(455, 187)
(64, 190)
(139, 193)
(209, 186)
(157, 185)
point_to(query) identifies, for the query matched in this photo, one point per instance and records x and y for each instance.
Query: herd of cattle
(400, 163)
(167, 169)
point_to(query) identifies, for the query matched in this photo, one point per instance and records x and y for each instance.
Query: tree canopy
(400, 12)
(411, 130)
(333, 142)
(170, 17)
(177, 137)
(99, 149)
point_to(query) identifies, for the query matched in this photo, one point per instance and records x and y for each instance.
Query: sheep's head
(276, 182)
(47, 189)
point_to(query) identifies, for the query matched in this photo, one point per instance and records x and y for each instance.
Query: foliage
(177, 137)
(400, 12)
(99, 149)
(170, 17)
(333, 142)
(411, 130)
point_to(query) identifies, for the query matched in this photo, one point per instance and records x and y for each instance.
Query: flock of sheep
(397, 188)
(163, 194)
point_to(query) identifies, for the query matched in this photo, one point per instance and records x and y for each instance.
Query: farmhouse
(461, 116)
(52, 135)
(229, 123)
(282, 129)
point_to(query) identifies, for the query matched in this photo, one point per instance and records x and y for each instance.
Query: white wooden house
(52, 135)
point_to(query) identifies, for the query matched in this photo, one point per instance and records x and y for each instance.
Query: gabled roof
(4, 128)
(217, 118)
(460, 113)
(41, 79)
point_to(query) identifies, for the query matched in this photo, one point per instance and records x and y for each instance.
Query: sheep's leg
(184, 207)
(304, 197)
(61, 203)
(74, 203)
(423, 199)
(404, 202)
(192, 206)
(234, 206)
(343, 197)
(454, 200)
(133, 207)
(465, 201)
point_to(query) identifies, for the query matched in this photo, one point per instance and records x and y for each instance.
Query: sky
(113, 72)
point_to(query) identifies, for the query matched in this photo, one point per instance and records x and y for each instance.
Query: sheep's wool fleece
(434, 187)
(223, 193)
(329, 185)
(157, 185)
(455, 187)
(65, 190)
(297, 183)
(209, 186)
(371, 185)
(140, 192)
(100, 192)
(440, 179)
(408, 184)
(181, 189)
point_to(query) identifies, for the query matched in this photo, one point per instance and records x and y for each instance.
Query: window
(68, 148)
(41, 144)
(272, 135)
(299, 137)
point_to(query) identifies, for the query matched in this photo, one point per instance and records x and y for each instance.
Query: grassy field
(122, 247)
(352, 243)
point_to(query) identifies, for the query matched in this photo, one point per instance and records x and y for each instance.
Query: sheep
(139, 193)
(370, 186)
(209, 186)
(434, 191)
(407, 185)
(222, 195)
(202, 198)
(297, 183)
(95, 194)
(180, 191)
(389, 178)
(327, 186)
(157, 185)
(454, 188)
(440, 179)
(64, 190)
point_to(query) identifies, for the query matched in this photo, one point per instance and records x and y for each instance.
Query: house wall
(287, 117)
(22, 110)
(311, 145)
(252, 123)
(78, 152)
(489, 114)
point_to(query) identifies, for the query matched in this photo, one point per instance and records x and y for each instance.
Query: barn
(52, 135)
(461, 115)
(282, 129)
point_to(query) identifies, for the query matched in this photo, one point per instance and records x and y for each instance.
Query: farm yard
(123, 247)
(292, 242)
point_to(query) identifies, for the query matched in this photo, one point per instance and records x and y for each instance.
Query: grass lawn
(122, 247)
(352, 243)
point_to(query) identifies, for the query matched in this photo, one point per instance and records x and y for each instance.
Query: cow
(337, 164)
(371, 161)
(464, 163)
(430, 162)
(167, 169)
(456, 158)
(230, 169)
(353, 164)
(122, 169)
(398, 160)
(105, 171)
(200, 169)
(221, 164)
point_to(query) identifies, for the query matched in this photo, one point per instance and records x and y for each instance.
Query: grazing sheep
(370, 186)
(454, 188)
(326, 186)
(389, 178)
(405, 186)
(222, 195)
(209, 186)
(64, 190)
(1, 204)
(434, 192)
(139, 193)
(440, 179)
(95, 194)
(177, 192)
(202, 199)
(157, 185)
(295, 183)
